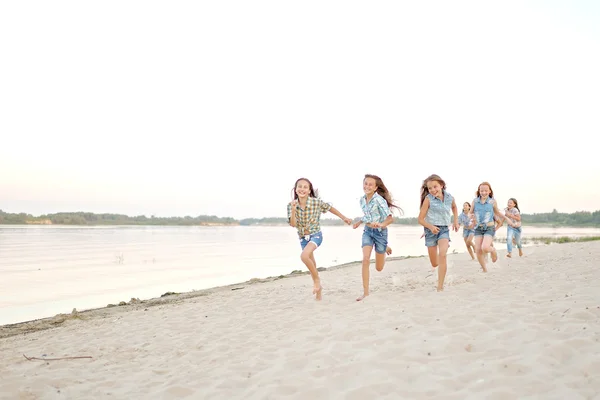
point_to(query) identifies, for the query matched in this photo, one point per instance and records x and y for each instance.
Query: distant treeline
(580, 218)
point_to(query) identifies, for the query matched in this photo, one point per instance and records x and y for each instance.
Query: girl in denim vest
(513, 229)
(304, 214)
(437, 208)
(468, 234)
(376, 205)
(484, 210)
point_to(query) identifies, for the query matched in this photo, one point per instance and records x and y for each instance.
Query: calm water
(46, 270)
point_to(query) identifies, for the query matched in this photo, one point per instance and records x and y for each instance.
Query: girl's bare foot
(361, 297)
(520, 252)
(318, 292)
(388, 250)
(494, 256)
(508, 255)
(440, 289)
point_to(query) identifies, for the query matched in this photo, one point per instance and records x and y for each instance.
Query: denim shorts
(482, 230)
(431, 239)
(377, 237)
(316, 238)
(468, 232)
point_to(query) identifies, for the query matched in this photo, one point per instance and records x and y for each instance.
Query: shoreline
(507, 333)
(40, 324)
(49, 322)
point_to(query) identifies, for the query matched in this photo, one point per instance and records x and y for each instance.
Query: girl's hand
(348, 221)
(434, 229)
(356, 224)
(375, 225)
(456, 227)
(294, 203)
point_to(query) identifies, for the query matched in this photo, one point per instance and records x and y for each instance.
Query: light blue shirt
(440, 211)
(376, 210)
(484, 213)
(464, 220)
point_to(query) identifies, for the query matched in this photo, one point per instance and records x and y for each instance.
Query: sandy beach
(527, 329)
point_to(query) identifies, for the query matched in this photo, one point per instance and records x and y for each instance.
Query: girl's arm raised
(292, 206)
(389, 219)
(455, 212)
(335, 212)
(499, 215)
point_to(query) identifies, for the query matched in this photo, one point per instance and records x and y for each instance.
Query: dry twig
(54, 359)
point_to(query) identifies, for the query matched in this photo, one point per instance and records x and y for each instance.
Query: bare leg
(488, 247)
(443, 245)
(433, 255)
(477, 241)
(379, 261)
(308, 258)
(366, 261)
(469, 245)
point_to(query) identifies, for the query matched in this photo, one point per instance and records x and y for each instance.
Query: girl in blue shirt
(486, 219)
(435, 216)
(465, 221)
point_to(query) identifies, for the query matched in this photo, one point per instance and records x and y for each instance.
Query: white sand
(527, 329)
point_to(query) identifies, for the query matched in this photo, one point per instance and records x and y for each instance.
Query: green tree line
(555, 218)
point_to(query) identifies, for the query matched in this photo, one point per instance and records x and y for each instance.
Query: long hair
(312, 193)
(425, 191)
(383, 192)
(516, 204)
(477, 194)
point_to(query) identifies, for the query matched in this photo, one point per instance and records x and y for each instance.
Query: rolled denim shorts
(468, 232)
(377, 237)
(431, 239)
(482, 230)
(316, 238)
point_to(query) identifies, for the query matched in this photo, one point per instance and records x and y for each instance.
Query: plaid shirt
(376, 210)
(514, 211)
(308, 220)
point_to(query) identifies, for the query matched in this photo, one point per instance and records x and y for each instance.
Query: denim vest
(484, 213)
(440, 212)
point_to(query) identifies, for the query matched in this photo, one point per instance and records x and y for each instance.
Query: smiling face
(511, 204)
(466, 208)
(434, 188)
(484, 191)
(369, 186)
(303, 189)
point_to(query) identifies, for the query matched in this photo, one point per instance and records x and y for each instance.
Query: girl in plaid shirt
(376, 205)
(304, 214)
(512, 214)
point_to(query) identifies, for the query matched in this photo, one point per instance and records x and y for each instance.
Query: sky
(217, 107)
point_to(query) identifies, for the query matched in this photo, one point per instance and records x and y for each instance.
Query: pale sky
(216, 107)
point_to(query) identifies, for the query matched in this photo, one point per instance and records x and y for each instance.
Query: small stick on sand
(54, 359)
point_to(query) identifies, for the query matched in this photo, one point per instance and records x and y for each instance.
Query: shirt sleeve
(324, 206)
(385, 210)
(289, 212)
